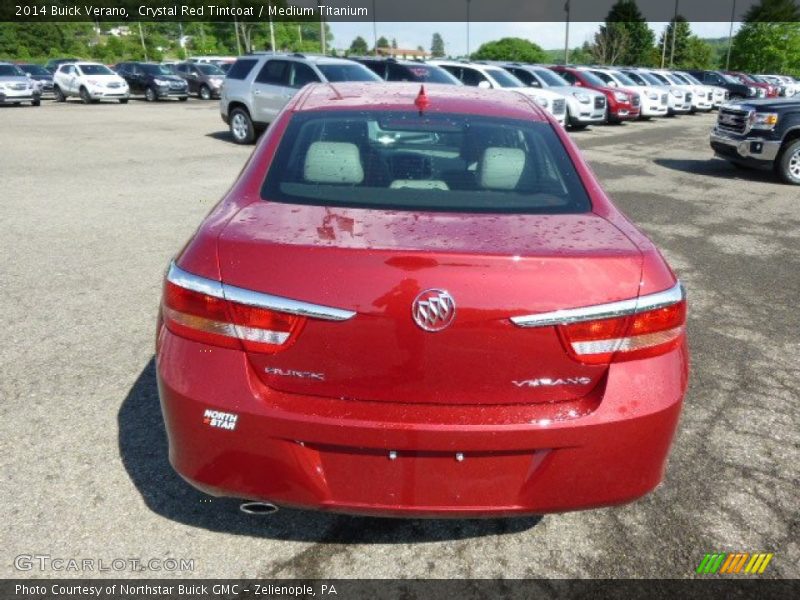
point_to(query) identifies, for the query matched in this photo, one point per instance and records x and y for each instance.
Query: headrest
(419, 184)
(333, 162)
(501, 168)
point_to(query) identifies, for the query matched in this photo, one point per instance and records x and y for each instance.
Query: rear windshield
(155, 69)
(95, 70)
(36, 70)
(428, 73)
(347, 72)
(11, 71)
(209, 69)
(550, 78)
(433, 162)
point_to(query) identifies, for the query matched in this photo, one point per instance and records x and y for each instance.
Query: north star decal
(547, 381)
(219, 419)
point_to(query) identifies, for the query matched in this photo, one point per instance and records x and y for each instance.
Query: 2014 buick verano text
(420, 302)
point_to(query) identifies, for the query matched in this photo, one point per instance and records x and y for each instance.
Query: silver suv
(258, 86)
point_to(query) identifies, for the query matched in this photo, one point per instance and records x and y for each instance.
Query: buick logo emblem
(433, 310)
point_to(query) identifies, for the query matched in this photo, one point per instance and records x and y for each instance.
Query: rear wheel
(59, 95)
(788, 165)
(241, 127)
(85, 97)
(205, 92)
(150, 94)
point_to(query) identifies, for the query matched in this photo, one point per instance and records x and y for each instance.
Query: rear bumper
(332, 454)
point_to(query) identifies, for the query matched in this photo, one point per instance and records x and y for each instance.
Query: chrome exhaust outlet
(258, 508)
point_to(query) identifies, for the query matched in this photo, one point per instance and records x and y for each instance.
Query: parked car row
(257, 87)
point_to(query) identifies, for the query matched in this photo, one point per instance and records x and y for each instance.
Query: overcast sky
(548, 35)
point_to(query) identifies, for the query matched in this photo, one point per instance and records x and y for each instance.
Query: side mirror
(612, 83)
(485, 85)
(578, 83)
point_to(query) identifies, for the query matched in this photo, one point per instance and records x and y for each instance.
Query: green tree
(699, 55)
(359, 46)
(639, 38)
(773, 11)
(394, 43)
(762, 47)
(515, 49)
(437, 45)
(382, 42)
(610, 44)
(680, 29)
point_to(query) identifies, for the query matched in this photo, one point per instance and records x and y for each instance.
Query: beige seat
(501, 168)
(333, 162)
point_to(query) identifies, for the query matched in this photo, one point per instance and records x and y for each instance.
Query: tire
(123, 100)
(183, 98)
(241, 126)
(578, 126)
(36, 103)
(84, 94)
(150, 94)
(204, 93)
(788, 163)
(58, 94)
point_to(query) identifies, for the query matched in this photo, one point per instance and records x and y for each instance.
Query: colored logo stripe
(734, 562)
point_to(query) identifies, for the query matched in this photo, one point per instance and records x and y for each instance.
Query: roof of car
(401, 96)
(315, 58)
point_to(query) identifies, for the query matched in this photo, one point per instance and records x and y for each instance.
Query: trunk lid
(377, 262)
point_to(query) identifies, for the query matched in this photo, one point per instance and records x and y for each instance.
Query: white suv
(258, 86)
(584, 106)
(91, 82)
(655, 100)
(494, 77)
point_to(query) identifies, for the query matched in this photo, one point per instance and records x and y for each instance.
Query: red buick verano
(420, 302)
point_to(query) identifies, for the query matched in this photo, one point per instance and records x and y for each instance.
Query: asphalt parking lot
(97, 199)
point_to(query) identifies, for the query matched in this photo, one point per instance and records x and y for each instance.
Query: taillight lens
(219, 322)
(639, 335)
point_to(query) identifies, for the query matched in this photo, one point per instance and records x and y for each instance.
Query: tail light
(627, 330)
(213, 313)
(640, 335)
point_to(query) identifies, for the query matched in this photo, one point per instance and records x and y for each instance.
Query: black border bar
(372, 10)
(439, 589)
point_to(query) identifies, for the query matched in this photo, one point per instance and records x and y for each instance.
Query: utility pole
(322, 31)
(374, 31)
(674, 32)
(236, 31)
(566, 37)
(664, 46)
(141, 37)
(468, 2)
(272, 34)
(730, 37)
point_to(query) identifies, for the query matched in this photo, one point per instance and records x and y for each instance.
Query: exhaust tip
(258, 508)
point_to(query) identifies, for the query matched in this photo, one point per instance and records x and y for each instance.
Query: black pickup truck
(761, 133)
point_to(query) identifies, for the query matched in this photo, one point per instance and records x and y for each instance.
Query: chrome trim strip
(287, 305)
(236, 294)
(186, 280)
(604, 311)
